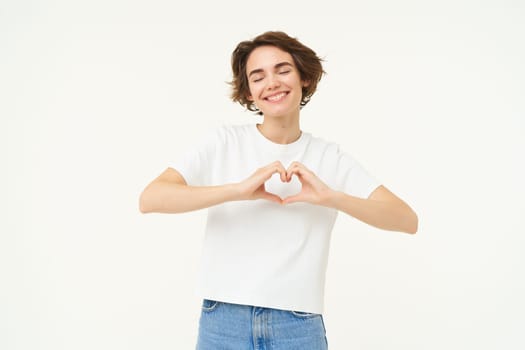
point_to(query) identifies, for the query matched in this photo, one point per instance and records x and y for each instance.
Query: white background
(96, 98)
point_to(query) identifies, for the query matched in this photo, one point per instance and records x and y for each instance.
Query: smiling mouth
(276, 97)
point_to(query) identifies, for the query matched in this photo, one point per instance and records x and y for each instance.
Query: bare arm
(169, 193)
(381, 209)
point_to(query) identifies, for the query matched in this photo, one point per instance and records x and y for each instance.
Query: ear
(306, 83)
(249, 98)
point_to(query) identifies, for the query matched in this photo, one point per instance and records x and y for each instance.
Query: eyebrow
(278, 65)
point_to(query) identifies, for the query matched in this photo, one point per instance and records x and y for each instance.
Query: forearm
(385, 215)
(167, 197)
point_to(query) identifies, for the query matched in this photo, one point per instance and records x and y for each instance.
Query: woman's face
(274, 82)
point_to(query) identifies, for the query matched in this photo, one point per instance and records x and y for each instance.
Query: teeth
(276, 97)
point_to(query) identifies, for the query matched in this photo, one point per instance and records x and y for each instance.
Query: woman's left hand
(381, 209)
(313, 190)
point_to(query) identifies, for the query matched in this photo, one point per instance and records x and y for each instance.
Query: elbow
(412, 230)
(413, 224)
(144, 207)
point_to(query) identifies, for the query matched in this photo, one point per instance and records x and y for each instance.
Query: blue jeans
(225, 326)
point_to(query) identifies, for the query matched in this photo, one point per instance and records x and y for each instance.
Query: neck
(281, 130)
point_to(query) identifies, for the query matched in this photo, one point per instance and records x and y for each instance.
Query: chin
(274, 114)
(278, 112)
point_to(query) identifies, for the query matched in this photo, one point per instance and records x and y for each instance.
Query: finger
(289, 172)
(268, 171)
(296, 164)
(296, 168)
(300, 173)
(293, 199)
(282, 172)
(275, 167)
(271, 197)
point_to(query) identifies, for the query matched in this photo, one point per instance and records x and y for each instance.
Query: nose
(273, 82)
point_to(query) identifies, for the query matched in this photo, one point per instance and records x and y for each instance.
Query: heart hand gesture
(313, 190)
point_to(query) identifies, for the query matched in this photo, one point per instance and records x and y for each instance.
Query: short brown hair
(306, 60)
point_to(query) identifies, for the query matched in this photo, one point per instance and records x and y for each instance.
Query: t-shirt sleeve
(353, 178)
(196, 163)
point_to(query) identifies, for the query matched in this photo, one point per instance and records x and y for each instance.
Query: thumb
(293, 199)
(271, 197)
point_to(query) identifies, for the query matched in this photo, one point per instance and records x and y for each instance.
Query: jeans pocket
(302, 314)
(209, 305)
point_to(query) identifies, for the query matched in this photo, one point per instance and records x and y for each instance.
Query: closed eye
(284, 72)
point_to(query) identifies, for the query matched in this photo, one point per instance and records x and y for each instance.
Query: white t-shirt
(258, 252)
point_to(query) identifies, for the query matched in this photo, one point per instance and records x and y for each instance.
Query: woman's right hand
(253, 187)
(169, 192)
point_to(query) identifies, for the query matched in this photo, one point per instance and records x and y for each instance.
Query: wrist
(234, 191)
(330, 198)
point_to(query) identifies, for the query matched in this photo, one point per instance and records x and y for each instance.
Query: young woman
(267, 237)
